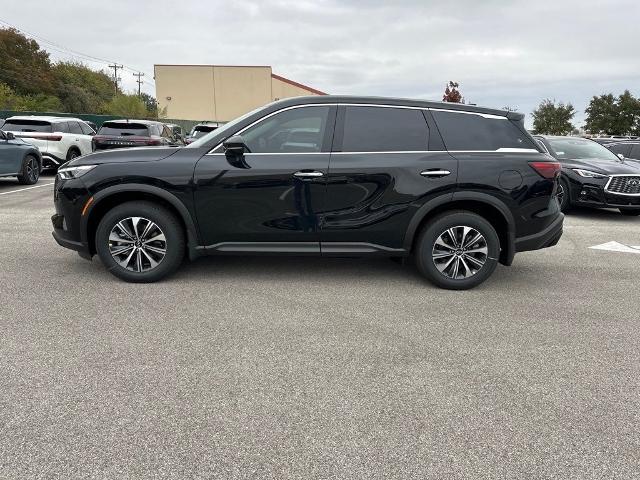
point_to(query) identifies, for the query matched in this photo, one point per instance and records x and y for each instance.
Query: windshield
(574, 148)
(227, 127)
(124, 129)
(27, 126)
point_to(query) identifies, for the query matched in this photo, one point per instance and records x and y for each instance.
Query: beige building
(220, 92)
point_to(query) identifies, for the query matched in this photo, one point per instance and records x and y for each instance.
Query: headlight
(589, 174)
(74, 172)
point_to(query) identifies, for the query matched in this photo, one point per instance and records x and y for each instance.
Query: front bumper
(544, 239)
(589, 194)
(70, 197)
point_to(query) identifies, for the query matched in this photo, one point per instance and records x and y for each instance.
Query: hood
(125, 155)
(605, 167)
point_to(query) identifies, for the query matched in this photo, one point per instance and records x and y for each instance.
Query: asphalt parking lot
(312, 368)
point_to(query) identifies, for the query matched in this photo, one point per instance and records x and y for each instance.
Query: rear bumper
(49, 160)
(546, 238)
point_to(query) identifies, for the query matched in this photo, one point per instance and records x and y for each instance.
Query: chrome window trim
(405, 107)
(611, 177)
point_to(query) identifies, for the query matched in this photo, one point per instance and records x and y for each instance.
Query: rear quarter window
(467, 131)
(27, 126)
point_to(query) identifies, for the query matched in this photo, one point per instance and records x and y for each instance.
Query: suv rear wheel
(457, 250)
(140, 242)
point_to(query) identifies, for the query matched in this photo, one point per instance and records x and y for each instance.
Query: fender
(428, 207)
(192, 233)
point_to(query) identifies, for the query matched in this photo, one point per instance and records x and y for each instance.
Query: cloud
(502, 52)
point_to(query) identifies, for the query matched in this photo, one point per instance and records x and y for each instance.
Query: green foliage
(23, 65)
(609, 115)
(29, 82)
(129, 106)
(9, 100)
(80, 89)
(552, 119)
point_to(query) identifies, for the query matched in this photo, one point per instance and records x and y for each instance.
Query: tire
(30, 171)
(564, 196)
(135, 263)
(73, 153)
(630, 212)
(475, 264)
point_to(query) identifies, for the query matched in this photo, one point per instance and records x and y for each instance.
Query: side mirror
(8, 136)
(620, 156)
(235, 146)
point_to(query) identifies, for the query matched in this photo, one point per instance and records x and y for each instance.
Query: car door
(11, 156)
(386, 162)
(268, 199)
(80, 138)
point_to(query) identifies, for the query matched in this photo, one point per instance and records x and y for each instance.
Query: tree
(609, 115)
(80, 89)
(452, 94)
(23, 65)
(129, 106)
(552, 119)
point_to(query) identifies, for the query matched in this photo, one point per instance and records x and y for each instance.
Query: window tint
(298, 130)
(635, 152)
(464, 131)
(27, 126)
(378, 129)
(62, 127)
(74, 127)
(620, 148)
(86, 129)
(122, 129)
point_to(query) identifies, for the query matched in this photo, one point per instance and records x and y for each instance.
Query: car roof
(44, 118)
(551, 137)
(391, 101)
(129, 120)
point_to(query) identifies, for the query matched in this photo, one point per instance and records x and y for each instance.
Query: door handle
(437, 172)
(308, 174)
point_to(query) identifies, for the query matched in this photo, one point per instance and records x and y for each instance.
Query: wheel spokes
(137, 244)
(460, 252)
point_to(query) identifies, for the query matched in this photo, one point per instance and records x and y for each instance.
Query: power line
(73, 53)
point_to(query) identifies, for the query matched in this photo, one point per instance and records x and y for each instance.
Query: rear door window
(382, 129)
(124, 129)
(473, 132)
(86, 129)
(74, 127)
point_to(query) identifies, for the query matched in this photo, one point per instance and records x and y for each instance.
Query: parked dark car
(460, 188)
(627, 149)
(93, 125)
(19, 159)
(132, 133)
(200, 130)
(593, 176)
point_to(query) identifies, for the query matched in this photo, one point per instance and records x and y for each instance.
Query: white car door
(79, 138)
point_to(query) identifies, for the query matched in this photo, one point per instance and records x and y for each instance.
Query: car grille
(624, 185)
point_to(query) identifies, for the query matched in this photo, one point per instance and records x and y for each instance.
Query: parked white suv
(58, 138)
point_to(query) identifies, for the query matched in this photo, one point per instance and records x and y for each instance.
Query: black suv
(133, 133)
(459, 188)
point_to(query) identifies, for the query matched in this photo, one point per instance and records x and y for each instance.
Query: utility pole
(115, 67)
(139, 80)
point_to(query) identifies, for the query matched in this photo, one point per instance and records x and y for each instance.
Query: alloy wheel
(560, 194)
(137, 244)
(460, 252)
(33, 170)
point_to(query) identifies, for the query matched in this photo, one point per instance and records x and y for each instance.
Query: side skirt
(333, 249)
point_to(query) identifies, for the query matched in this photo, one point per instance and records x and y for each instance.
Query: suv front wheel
(140, 242)
(457, 250)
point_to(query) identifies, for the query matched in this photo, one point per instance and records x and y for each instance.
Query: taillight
(153, 142)
(36, 136)
(547, 169)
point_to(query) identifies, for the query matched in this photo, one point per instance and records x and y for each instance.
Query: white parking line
(28, 188)
(617, 247)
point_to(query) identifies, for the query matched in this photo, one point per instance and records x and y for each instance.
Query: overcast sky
(503, 53)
